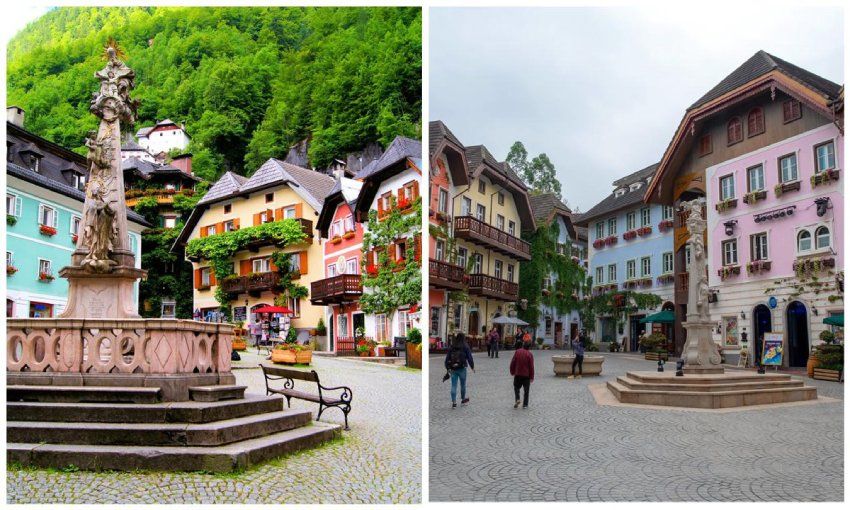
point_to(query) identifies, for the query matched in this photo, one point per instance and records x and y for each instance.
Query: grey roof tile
(437, 131)
(612, 202)
(401, 148)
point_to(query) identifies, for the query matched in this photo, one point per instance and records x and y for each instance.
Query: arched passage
(797, 327)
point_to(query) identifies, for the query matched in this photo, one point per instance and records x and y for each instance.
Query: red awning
(273, 309)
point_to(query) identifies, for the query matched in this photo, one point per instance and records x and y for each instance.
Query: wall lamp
(730, 226)
(743, 316)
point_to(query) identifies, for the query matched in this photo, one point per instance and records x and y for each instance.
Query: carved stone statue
(103, 270)
(700, 352)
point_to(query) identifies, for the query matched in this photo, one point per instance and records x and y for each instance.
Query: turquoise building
(44, 203)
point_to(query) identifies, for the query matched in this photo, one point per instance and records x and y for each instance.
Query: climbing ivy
(287, 287)
(219, 249)
(617, 304)
(391, 284)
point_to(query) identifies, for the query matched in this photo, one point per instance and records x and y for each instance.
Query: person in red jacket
(522, 368)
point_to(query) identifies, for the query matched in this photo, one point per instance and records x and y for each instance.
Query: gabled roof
(131, 145)
(546, 206)
(400, 149)
(147, 169)
(437, 132)
(345, 191)
(477, 155)
(761, 63)
(143, 131)
(63, 189)
(226, 186)
(617, 201)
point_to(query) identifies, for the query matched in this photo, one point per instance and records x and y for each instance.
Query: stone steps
(709, 392)
(115, 394)
(216, 393)
(238, 455)
(157, 434)
(708, 388)
(164, 412)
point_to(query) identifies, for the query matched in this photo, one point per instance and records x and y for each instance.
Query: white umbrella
(503, 319)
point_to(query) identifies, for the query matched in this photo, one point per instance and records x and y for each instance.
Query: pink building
(775, 239)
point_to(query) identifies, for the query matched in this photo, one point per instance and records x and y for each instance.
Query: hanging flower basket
(47, 230)
(403, 203)
(725, 205)
(11, 220)
(610, 240)
(10, 269)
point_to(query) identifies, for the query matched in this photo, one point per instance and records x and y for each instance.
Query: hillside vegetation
(247, 82)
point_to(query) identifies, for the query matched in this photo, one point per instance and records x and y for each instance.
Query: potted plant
(414, 348)
(382, 347)
(74, 238)
(45, 277)
(653, 346)
(10, 269)
(11, 220)
(47, 230)
(364, 348)
(830, 358)
(285, 353)
(321, 330)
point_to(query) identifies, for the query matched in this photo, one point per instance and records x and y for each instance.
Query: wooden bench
(289, 376)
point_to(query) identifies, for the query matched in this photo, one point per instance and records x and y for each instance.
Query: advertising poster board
(772, 349)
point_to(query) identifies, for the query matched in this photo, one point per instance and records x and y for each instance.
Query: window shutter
(18, 206)
(55, 218)
(236, 224)
(212, 277)
(244, 267)
(269, 215)
(219, 227)
(299, 212)
(40, 213)
(415, 190)
(417, 247)
(256, 219)
(303, 261)
(197, 278)
(203, 231)
(278, 214)
(380, 206)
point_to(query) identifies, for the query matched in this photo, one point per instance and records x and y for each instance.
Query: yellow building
(276, 191)
(488, 216)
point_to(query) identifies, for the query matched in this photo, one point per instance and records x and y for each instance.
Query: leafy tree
(538, 174)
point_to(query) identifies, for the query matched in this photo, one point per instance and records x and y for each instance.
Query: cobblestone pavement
(378, 461)
(567, 448)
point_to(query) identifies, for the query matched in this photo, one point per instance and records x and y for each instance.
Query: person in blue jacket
(457, 359)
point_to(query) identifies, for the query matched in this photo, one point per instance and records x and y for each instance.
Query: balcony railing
(336, 289)
(251, 284)
(479, 232)
(490, 286)
(446, 276)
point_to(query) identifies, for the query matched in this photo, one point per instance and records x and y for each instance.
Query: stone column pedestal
(700, 352)
(101, 295)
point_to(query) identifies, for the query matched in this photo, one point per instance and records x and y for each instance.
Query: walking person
(522, 368)
(457, 359)
(518, 338)
(578, 349)
(493, 343)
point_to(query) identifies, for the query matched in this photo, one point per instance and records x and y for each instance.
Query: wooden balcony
(490, 286)
(446, 276)
(252, 284)
(476, 231)
(336, 289)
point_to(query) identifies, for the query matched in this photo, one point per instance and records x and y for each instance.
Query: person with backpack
(522, 368)
(493, 343)
(457, 359)
(578, 347)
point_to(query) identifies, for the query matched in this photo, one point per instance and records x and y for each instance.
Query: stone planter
(304, 357)
(414, 356)
(283, 356)
(823, 374)
(239, 344)
(563, 363)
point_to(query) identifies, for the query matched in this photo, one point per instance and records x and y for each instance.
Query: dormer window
(34, 163)
(80, 181)
(635, 186)
(619, 192)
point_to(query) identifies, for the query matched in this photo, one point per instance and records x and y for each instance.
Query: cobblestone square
(378, 461)
(565, 447)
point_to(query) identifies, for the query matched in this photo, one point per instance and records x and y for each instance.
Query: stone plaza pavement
(378, 461)
(565, 447)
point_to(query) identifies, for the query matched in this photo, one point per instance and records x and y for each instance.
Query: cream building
(276, 191)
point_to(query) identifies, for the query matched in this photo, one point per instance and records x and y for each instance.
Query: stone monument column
(700, 350)
(102, 273)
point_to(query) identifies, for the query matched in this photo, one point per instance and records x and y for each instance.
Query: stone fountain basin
(563, 363)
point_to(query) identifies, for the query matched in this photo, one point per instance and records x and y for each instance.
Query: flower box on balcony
(611, 240)
(74, 238)
(758, 266)
(630, 284)
(47, 230)
(403, 204)
(725, 205)
(806, 266)
(786, 187)
(727, 271)
(824, 177)
(644, 231)
(599, 243)
(45, 277)
(665, 225)
(645, 282)
(372, 270)
(666, 278)
(11, 219)
(10, 269)
(336, 239)
(628, 236)
(754, 196)
(348, 235)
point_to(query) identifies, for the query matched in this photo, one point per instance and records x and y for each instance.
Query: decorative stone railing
(123, 346)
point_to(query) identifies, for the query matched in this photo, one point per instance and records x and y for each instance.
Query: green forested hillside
(248, 82)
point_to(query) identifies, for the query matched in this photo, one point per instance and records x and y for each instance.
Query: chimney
(183, 162)
(15, 115)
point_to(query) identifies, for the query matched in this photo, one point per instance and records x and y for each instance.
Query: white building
(163, 137)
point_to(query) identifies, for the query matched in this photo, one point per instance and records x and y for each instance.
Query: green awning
(835, 320)
(662, 317)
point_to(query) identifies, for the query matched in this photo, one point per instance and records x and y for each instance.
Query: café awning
(835, 320)
(662, 317)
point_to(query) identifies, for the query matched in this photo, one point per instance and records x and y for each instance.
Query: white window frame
(342, 330)
(500, 222)
(443, 200)
(41, 265)
(727, 187)
(631, 269)
(755, 170)
(295, 261)
(645, 217)
(10, 258)
(229, 226)
(612, 273)
(730, 256)
(600, 229)
(759, 246)
(631, 220)
(667, 262)
(261, 265)
(797, 240)
(497, 269)
(511, 227)
(295, 306)
(645, 266)
(466, 206)
(16, 205)
(667, 212)
(612, 226)
(54, 218)
(210, 230)
(830, 155)
(461, 257)
(478, 263)
(289, 213)
(439, 249)
(331, 270)
(782, 176)
(510, 272)
(79, 221)
(169, 219)
(351, 266)
(481, 212)
(817, 242)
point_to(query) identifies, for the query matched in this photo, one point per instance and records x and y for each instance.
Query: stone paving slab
(566, 447)
(378, 461)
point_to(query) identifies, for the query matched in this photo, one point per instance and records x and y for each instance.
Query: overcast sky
(602, 90)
